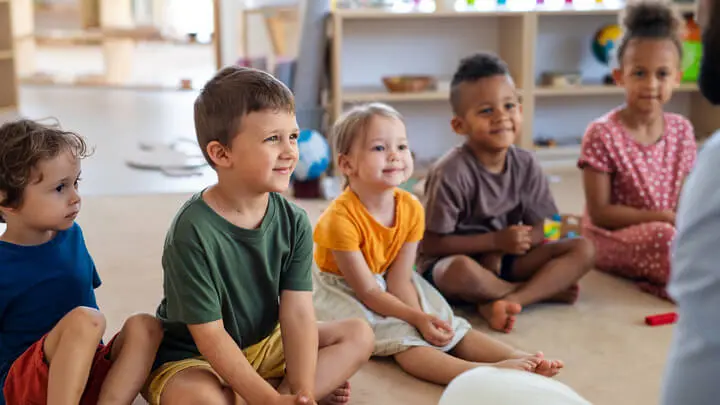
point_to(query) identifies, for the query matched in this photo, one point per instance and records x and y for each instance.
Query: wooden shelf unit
(366, 44)
(8, 73)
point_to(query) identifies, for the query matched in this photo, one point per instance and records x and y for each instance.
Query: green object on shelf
(692, 55)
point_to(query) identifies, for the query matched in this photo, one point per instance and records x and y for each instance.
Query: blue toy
(314, 156)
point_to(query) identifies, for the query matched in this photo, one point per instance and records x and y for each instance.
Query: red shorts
(27, 380)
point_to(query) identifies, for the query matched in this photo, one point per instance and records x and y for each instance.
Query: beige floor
(611, 356)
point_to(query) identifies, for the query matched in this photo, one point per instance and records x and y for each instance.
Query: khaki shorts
(267, 357)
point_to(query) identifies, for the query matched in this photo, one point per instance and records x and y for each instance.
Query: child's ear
(4, 210)
(458, 125)
(618, 77)
(218, 153)
(345, 164)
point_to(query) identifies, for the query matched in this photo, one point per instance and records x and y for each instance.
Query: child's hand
(303, 398)
(299, 399)
(668, 216)
(435, 331)
(516, 239)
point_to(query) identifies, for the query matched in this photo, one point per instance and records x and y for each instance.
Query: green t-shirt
(215, 270)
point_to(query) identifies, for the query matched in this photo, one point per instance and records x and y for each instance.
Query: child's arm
(300, 340)
(515, 239)
(226, 358)
(359, 277)
(399, 276)
(613, 216)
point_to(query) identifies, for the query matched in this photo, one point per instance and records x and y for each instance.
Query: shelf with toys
(554, 52)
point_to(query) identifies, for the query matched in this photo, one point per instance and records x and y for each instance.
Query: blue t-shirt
(38, 286)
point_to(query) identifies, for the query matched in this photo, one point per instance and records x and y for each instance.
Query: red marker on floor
(661, 319)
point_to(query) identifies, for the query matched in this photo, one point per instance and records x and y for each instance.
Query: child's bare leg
(344, 346)
(551, 269)
(433, 365)
(479, 347)
(461, 277)
(198, 386)
(132, 355)
(69, 350)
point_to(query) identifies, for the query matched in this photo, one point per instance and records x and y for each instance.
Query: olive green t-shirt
(215, 270)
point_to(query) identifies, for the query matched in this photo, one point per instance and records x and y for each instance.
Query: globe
(605, 41)
(314, 155)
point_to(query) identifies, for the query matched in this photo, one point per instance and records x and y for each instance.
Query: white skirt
(335, 300)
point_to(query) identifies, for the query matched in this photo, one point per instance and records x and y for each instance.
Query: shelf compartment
(8, 84)
(370, 94)
(6, 35)
(596, 90)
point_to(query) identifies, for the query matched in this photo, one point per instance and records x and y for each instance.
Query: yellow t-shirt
(347, 226)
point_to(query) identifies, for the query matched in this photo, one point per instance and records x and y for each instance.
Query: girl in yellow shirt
(366, 243)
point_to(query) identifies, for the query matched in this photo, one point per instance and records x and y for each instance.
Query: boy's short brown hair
(25, 143)
(230, 95)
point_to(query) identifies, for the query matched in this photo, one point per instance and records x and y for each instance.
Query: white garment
(495, 386)
(334, 299)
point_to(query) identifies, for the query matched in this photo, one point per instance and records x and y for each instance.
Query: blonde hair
(354, 122)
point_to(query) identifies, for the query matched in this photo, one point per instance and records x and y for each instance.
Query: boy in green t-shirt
(237, 268)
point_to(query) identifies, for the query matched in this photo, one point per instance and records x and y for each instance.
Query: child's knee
(458, 268)
(144, 327)
(85, 322)
(360, 334)
(584, 248)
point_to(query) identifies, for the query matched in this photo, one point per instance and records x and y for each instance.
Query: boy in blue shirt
(50, 327)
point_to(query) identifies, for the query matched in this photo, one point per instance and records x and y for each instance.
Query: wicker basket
(408, 84)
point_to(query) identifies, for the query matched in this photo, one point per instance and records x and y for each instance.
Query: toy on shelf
(545, 142)
(692, 50)
(561, 79)
(409, 83)
(604, 43)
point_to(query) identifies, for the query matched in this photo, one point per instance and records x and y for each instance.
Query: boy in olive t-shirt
(238, 311)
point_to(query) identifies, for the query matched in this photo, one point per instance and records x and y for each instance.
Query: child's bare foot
(549, 368)
(529, 363)
(568, 296)
(500, 315)
(340, 396)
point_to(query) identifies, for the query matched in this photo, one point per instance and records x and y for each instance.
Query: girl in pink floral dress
(636, 157)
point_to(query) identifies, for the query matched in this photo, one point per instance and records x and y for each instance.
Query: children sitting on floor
(51, 330)
(636, 157)
(366, 244)
(487, 201)
(237, 261)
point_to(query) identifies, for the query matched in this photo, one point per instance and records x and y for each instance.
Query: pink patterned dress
(647, 177)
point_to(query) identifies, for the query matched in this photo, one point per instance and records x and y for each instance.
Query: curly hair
(472, 69)
(25, 143)
(650, 19)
